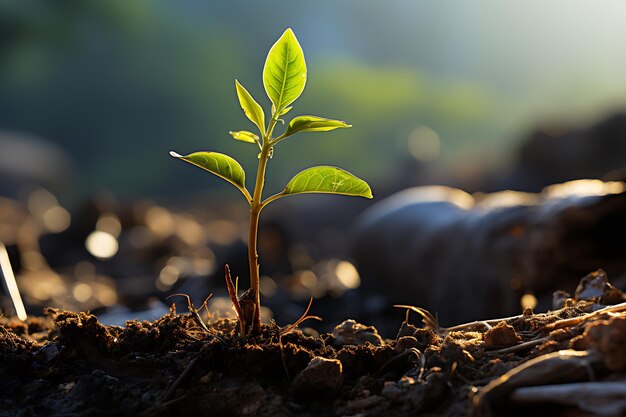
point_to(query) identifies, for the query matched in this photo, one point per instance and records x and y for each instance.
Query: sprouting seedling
(284, 78)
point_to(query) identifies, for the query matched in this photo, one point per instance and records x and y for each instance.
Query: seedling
(284, 78)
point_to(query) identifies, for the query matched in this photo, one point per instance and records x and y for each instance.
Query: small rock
(502, 335)
(352, 333)
(321, 375)
(596, 288)
(592, 286)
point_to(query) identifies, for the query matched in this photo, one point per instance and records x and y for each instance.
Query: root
(304, 317)
(195, 313)
(290, 328)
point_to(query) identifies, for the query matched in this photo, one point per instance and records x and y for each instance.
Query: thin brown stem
(253, 230)
(253, 263)
(256, 205)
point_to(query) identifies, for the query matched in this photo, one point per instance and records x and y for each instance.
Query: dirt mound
(70, 364)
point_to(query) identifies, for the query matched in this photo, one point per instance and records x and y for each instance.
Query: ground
(68, 364)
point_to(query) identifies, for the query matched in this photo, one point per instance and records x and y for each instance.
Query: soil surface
(570, 361)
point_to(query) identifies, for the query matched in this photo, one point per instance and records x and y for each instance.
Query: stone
(320, 376)
(352, 333)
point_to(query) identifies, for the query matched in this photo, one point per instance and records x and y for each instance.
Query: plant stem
(255, 210)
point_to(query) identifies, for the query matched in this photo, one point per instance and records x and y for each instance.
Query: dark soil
(68, 364)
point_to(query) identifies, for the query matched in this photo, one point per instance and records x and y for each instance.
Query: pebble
(320, 375)
(352, 333)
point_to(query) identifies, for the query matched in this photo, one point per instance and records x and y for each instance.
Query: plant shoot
(284, 79)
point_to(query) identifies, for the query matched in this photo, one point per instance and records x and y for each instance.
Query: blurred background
(485, 97)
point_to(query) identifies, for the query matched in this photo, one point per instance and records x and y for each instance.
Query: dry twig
(614, 309)
(571, 393)
(522, 346)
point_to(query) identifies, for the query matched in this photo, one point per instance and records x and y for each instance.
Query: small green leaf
(313, 124)
(245, 136)
(284, 73)
(327, 179)
(285, 110)
(219, 164)
(251, 108)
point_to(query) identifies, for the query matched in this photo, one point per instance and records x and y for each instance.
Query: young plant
(284, 78)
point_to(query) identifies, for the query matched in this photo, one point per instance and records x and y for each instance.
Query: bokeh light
(102, 245)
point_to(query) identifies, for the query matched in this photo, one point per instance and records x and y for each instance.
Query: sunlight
(101, 244)
(581, 188)
(9, 279)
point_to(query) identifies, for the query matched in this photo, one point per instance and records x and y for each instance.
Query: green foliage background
(118, 83)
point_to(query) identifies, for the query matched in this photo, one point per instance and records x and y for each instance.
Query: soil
(69, 364)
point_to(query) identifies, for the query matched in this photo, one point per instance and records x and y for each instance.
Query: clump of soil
(70, 364)
(502, 335)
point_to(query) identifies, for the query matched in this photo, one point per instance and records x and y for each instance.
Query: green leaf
(245, 136)
(327, 179)
(219, 164)
(251, 108)
(284, 73)
(283, 112)
(313, 124)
